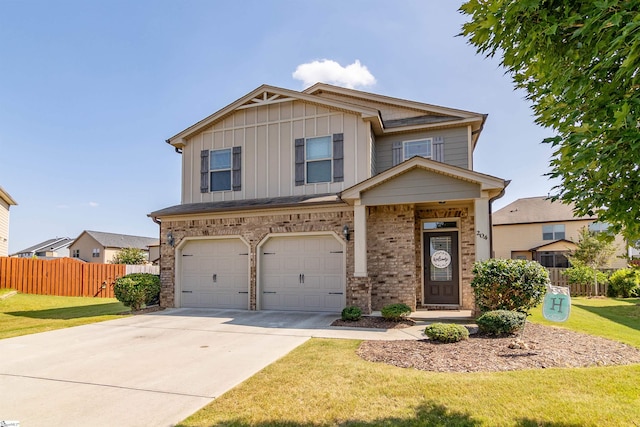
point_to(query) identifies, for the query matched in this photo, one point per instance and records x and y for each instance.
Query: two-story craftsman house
(325, 198)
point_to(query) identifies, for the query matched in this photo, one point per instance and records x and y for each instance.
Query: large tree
(578, 62)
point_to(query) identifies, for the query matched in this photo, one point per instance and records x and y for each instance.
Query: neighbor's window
(421, 147)
(598, 227)
(96, 253)
(318, 154)
(75, 253)
(553, 260)
(553, 232)
(220, 168)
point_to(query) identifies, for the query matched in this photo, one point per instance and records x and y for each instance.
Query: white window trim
(405, 143)
(230, 169)
(330, 158)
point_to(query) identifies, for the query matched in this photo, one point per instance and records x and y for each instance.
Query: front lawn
(24, 314)
(324, 383)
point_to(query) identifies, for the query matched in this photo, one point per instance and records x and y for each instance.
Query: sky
(91, 90)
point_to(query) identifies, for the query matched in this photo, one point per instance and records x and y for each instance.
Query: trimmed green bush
(581, 274)
(351, 313)
(446, 332)
(137, 289)
(624, 283)
(501, 322)
(509, 284)
(395, 312)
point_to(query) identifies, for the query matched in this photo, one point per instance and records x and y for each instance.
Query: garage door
(302, 273)
(215, 274)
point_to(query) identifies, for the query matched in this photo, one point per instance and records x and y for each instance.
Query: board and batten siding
(267, 135)
(418, 185)
(456, 146)
(4, 228)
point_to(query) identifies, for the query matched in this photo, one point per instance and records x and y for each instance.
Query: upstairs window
(318, 155)
(553, 232)
(75, 253)
(319, 159)
(598, 227)
(221, 170)
(420, 147)
(96, 253)
(220, 167)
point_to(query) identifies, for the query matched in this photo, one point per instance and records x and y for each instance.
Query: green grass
(614, 318)
(324, 383)
(24, 314)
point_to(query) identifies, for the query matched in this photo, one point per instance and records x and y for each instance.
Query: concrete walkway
(154, 369)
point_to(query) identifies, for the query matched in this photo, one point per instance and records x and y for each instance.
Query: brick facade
(393, 240)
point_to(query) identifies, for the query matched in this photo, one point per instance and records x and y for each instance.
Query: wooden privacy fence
(559, 279)
(61, 277)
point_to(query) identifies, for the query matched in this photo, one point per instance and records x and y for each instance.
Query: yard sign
(557, 304)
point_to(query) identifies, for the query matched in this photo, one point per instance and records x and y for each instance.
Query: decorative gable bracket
(265, 98)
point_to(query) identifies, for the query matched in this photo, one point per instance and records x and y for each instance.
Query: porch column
(482, 231)
(360, 240)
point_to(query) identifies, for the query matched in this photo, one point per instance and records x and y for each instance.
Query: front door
(441, 285)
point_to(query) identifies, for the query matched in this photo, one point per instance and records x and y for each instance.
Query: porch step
(430, 316)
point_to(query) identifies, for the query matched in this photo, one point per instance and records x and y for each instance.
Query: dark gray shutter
(299, 147)
(396, 153)
(437, 149)
(204, 171)
(338, 157)
(236, 172)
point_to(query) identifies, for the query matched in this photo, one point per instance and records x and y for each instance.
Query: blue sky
(90, 91)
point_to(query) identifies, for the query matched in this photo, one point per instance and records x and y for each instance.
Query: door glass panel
(440, 258)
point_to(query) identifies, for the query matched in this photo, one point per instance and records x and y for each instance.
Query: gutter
(178, 150)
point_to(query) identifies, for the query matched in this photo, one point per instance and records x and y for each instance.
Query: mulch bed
(374, 322)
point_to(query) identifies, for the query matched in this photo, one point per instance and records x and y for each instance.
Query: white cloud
(93, 204)
(328, 71)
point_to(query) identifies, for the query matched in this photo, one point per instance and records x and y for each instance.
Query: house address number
(481, 235)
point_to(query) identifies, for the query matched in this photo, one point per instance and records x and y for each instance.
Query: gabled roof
(535, 210)
(266, 94)
(7, 198)
(553, 243)
(487, 182)
(49, 245)
(352, 101)
(113, 240)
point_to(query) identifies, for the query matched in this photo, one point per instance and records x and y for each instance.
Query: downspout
(491, 200)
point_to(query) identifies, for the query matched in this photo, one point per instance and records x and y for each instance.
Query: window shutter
(236, 172)
(204, 171)
(338, 157)
(396, 153)
(299, 153)
(437, 150)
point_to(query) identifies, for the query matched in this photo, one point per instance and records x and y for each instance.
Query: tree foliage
(130, 256)
(593, 249)
(578, 62)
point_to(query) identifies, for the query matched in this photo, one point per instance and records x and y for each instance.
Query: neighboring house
(535, 228)
(154, 253)
(99, 247)
(326, 198)
(5, 203)
(52, 248)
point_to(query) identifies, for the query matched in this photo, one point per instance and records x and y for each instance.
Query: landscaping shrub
(446, 332)
(501, 322)
(509, 284)
(624, 283)
(137, 289)
(581, 274)
(395, 312)
(351, 313)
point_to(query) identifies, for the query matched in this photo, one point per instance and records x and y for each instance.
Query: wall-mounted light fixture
(345, 232)
(170, 239)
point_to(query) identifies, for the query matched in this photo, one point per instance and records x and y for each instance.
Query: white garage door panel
(302, 273)
(215, 274)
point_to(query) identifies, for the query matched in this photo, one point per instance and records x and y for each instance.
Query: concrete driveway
(149, 370)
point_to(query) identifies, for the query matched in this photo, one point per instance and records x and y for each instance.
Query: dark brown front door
(441, 267)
